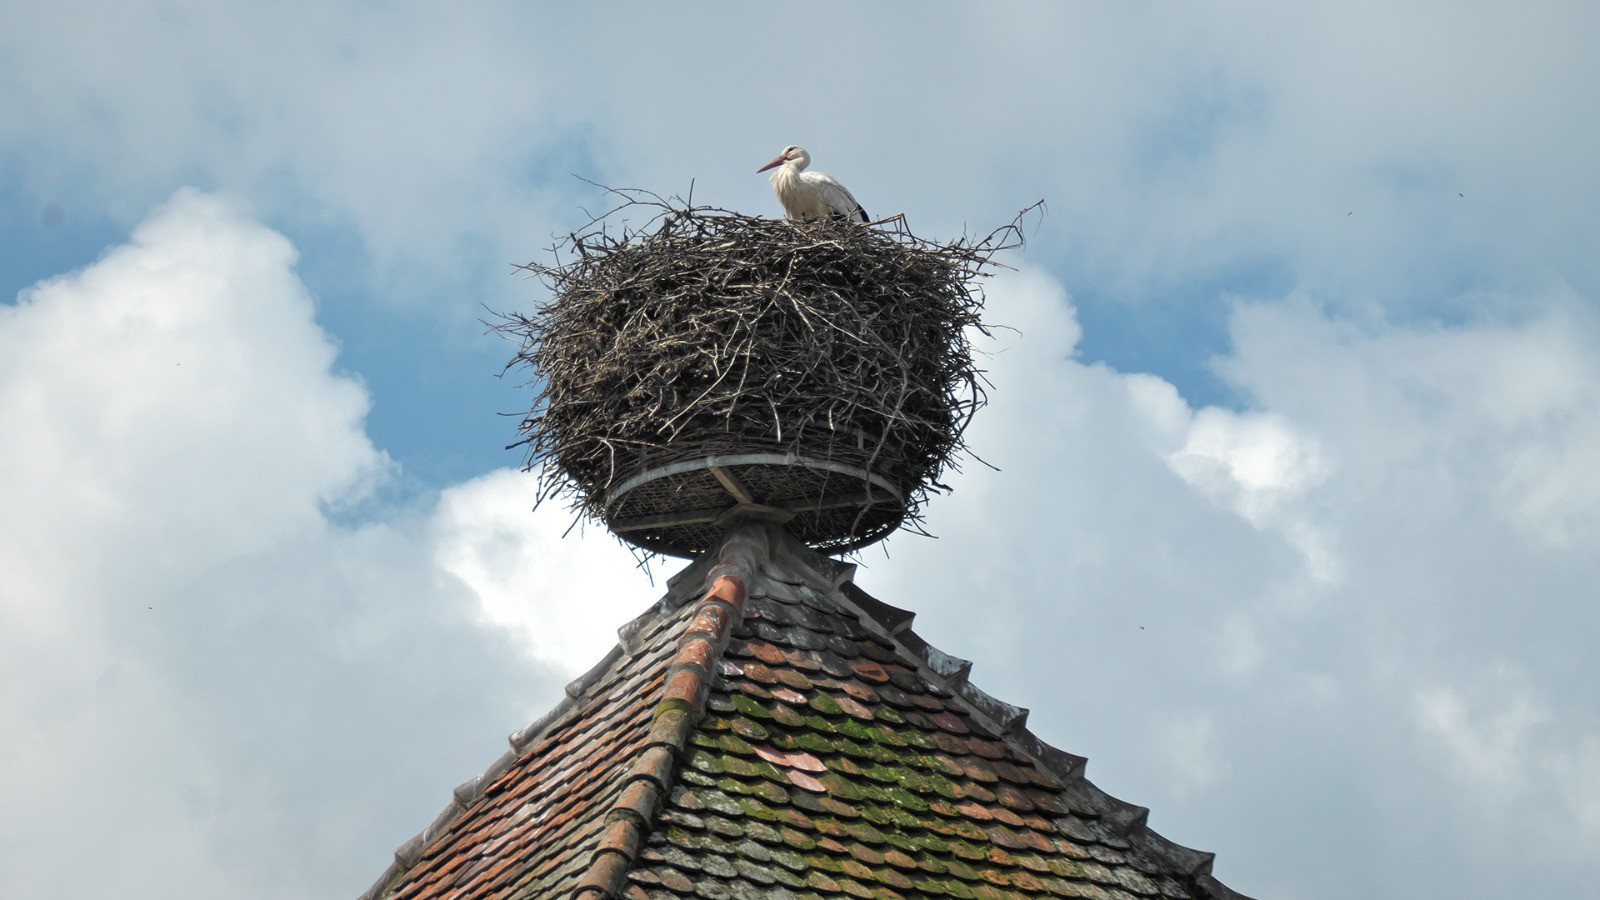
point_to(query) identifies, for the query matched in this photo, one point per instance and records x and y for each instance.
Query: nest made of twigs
(704, 334)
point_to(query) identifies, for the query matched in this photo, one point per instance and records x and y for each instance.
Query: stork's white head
(796, 157)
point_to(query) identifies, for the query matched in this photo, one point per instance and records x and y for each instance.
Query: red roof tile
(776, 732)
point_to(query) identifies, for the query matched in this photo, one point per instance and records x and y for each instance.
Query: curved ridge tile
(687, 685)
(489, 816)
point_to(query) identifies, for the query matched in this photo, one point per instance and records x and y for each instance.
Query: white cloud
(563, 596)
(1508, 751)
(1503, 414)
(1190, 743)
(213, 684)
(1250, 462)
(160, 403)
(1257, 465)
(1489, 750)
(1283, 613)
(169, 412)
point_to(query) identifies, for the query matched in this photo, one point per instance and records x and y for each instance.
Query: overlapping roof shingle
(769, 730)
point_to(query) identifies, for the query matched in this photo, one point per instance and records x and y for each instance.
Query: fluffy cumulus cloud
(220, 678)
(560, 589)
(1353, 612)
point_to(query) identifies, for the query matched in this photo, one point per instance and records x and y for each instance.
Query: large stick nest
(702, 332)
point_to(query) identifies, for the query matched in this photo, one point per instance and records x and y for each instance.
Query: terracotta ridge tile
(520, 741)
(683, 702)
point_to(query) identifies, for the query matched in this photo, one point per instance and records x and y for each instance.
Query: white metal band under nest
(750, 459)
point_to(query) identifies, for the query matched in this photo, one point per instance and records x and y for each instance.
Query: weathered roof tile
(779, 733)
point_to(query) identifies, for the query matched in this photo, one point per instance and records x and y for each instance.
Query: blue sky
(1297, 524)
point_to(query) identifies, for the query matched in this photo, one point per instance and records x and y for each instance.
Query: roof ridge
(687, 685)
(695, 621)
(573, 695)
(951, 673)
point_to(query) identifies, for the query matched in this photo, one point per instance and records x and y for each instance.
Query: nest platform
(706, 367)
(684, 507)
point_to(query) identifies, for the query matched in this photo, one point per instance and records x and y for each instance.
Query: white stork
(810, 195)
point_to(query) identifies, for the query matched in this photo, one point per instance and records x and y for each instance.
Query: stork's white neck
(784, 177)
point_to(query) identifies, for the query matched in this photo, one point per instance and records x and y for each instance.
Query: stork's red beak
(782, 158)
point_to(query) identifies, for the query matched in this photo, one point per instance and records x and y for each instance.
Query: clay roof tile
(769, 729)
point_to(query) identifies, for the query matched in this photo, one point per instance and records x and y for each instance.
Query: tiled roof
(769, 730)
